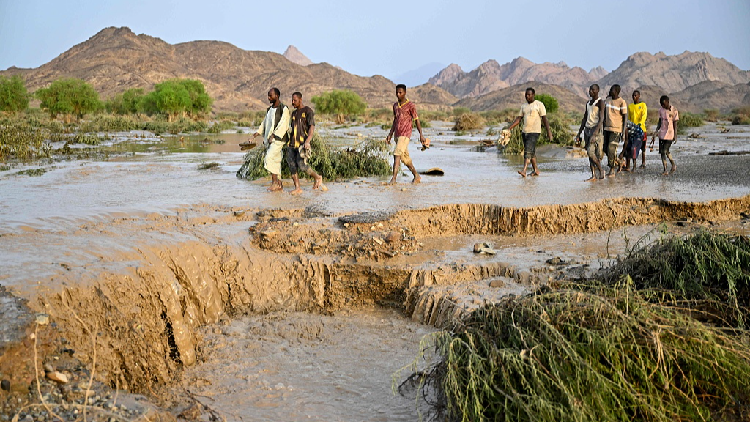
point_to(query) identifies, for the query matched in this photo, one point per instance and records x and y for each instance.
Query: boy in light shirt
(667, 130)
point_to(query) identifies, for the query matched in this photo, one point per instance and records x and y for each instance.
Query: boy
(274, 130)
(404, 112)
(298, 152)
(614, 126)
(533, 114)
(666, 129)
(591, 126)
(637, 113)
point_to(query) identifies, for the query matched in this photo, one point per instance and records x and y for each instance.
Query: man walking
(533, 114)
(274, 129)
(591, 126)
(404, 112)
(298, 152)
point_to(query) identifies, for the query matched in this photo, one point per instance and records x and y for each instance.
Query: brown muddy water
(209, 294)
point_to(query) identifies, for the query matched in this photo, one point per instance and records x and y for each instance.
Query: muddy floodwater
(212, 296)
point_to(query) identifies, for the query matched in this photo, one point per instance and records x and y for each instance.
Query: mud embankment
(145, 317)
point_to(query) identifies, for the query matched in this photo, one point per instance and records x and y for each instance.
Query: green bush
(69, 97)
(711, 114)
(20, 140)
(110, 123)
(550, 102)
(13, 94)
(220, 126)
(458, 111)
(344, 104)
(741, 119)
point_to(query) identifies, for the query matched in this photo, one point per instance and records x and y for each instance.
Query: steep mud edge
(145, 316)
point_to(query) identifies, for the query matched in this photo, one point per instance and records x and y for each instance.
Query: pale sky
(390, 37)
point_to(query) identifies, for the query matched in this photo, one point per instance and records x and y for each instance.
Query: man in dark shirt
(298, 152)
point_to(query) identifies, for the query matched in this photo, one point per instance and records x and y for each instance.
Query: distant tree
(13, 94)
(125, 103)
(342, 103)
(200, 101)
(176, 97)
(550, 102)
(69, 97)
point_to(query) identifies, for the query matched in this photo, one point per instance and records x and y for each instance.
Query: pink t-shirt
(668, 117)
(404, 114)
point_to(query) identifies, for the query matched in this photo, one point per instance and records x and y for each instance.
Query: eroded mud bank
(146, 314)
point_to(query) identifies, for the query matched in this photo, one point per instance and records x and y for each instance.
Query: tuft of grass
(208, 166)
(627, 349)
(689, 120)
(368, 158)
(561, 135)
(468, 121)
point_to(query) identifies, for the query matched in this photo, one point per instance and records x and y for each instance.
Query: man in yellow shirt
(637, 113)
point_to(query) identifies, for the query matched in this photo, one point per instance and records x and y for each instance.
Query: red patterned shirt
(404, 115)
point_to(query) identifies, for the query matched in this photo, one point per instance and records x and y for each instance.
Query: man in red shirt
(404, 112)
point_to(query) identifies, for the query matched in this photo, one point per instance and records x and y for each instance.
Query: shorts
(594, 144)
(297, 159)
(274, 153)
(635, 146)
(529, 144)
(402, 150)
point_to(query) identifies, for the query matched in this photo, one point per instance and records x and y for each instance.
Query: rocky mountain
(491, 76)
(419, 75)
(711, 95)
(295, 56)
(513, 97)
(116, 59)
(674, 73)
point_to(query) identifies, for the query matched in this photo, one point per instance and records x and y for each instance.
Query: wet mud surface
(214, 298)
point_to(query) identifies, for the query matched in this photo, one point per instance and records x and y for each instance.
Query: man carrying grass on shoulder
(303, 128)
(274, 129)
(404, 112)
(533, 114)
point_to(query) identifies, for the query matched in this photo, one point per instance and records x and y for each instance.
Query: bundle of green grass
(368, 158)
(664, 345)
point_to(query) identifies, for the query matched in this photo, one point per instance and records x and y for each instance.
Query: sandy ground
(278, 309)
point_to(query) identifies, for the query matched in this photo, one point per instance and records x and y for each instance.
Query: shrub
(741, 119)
(688, 120)
(558, 125)
(342, 103)
(712, 114)
(458, 111)
(20, 140)
(109, 123)
(70, 97)
(468, 121)
(550, 102)
(13, 94)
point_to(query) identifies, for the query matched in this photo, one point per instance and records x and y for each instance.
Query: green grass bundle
(368, 158)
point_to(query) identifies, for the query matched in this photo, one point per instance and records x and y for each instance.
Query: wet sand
(151, 249)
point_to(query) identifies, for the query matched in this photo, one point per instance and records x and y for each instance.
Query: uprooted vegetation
(368, 158)
(662, 346)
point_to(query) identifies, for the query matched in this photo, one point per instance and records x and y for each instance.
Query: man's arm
(658, 125)
(601, 117)
(515, 122)
(674, 125)
(310, 133)
(393, 129)
(546, 124)
(260, 129)
(583, 123)
(642, 120)
(624, 114)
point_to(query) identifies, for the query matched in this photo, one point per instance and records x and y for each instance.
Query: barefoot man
(404, 112)
(533, 114)
(274, 129)
(666, 128)
(591, 126)
(298, 152)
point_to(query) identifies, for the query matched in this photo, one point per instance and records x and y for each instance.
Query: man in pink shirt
(404, 112)
(666, 129)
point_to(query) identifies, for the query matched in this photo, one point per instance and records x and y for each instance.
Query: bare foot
(536, 173)
(674, 169)
(665, 173)
(643, 166)
(319, 185)
(416, 180)
(392, 182)
(296, 191)
(591, 179)
(612, 174)
(276, 187)
(522, 173)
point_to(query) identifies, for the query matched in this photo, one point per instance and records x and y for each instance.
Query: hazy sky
(391, 37)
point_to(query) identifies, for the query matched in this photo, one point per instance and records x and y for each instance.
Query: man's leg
(533, 166)
(396, 166)
(643, 151)
(272, 163)
(297, 190)
(276, 184)
(406, 159)
(318, 184)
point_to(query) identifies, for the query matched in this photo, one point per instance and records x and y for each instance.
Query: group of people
(604, 123)
(294, 130)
